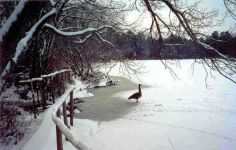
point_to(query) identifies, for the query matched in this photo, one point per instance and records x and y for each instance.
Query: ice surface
(173, 114)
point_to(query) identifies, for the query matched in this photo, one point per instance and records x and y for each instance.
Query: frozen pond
(172, 114)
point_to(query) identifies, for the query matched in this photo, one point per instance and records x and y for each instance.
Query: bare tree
(231, 7)
(33, 30)
(188, 21)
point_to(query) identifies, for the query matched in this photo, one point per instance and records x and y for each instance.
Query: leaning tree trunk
(25, 20)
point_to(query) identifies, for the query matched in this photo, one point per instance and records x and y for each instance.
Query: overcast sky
(228, 24)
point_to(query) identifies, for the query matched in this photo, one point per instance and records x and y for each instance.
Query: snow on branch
(69, 33)
(23, 42)
(76, 33)
(215, 50)
(31, 80)
(52, 2)
(55, 73)
(84, 40)
(45, 76)
(7, 68)
(217, 40)
(13, 17)
(103, 40)
(105, 27)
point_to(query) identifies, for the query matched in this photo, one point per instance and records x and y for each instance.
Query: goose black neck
(139, 89)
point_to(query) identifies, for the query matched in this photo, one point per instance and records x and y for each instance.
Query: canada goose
(136, 95)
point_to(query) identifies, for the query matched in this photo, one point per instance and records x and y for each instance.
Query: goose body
(136, 95)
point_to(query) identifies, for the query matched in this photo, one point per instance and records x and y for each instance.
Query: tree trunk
(25, 20)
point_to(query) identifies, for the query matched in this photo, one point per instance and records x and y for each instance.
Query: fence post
(71, 108)
(43, 100)
(38, 97)
(37, 93)
(58, 133)
(52, 93)
(34, 106)
(64, 114)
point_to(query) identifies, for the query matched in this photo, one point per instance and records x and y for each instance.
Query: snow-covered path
(45, 136)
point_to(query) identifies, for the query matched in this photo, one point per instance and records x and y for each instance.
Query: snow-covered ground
(45, 136)
(172, 114)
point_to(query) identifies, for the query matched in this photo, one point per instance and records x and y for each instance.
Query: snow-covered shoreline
(172, 114)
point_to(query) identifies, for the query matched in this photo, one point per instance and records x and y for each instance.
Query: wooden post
(71, 108)
(63, 79)
(38, 97)
(37, 92)
(65, 115)
(64, 88)
(42, 96)
(53, 98)
(34, 106)
(43, 100)
(52, 90)
(58, 133)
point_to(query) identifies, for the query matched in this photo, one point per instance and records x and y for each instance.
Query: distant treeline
(139, 46)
